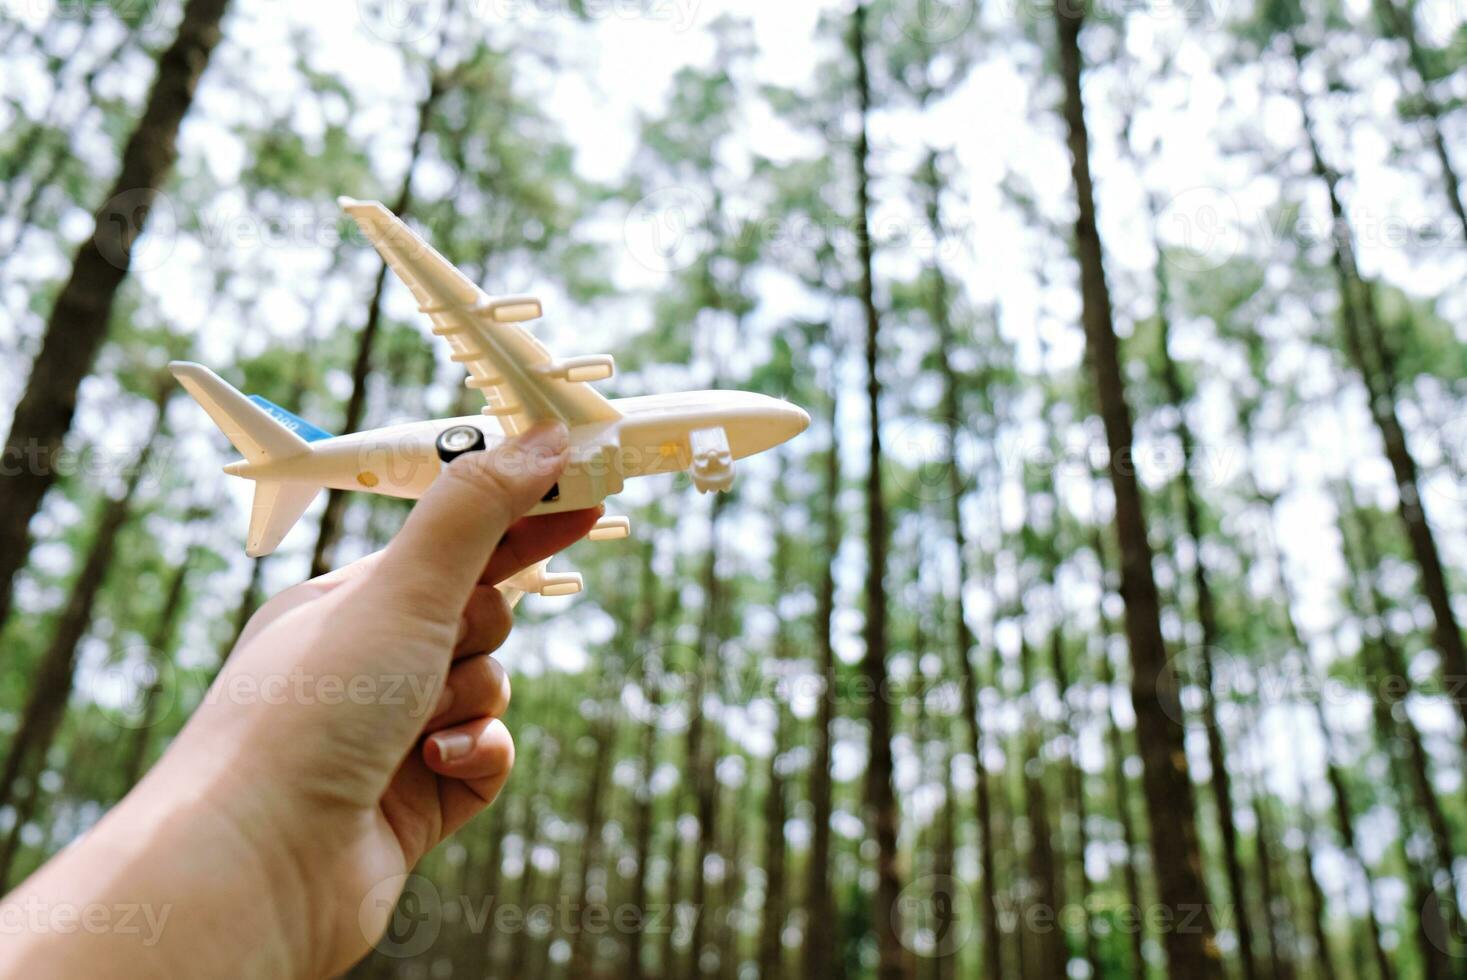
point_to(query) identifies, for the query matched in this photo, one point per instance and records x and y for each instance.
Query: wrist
(171, 882)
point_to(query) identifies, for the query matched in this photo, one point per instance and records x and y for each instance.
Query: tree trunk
(1120, 786)
(534, 835)
(83, 310)
(962, 633)
(1277, 914)
(1340, 802)
(46, 703)
(603, 731)
(1051, 956)
(1401, 23)
(642, 819)
(1217, 755)
(249, 602)
(728, 931)
(880, 798)
(1317, 911)
(160, 654)
(821, 958)
(1318, 906)
(329, 532)
(25, 214)
(1075, 788)
(1400, 737)
(704, 745)
(1431, 924)
(771, 925)
(667, 955)
(1367, 350)
(1171, 803)
(491, 879)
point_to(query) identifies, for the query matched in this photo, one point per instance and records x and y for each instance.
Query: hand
(354, 727)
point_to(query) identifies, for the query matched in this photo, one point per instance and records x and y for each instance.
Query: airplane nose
(762, 422)
(790, 420)
(799, 420)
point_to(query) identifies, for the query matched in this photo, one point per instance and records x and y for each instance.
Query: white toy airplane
(292, 460)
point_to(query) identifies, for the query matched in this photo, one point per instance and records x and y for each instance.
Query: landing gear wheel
(456, 440)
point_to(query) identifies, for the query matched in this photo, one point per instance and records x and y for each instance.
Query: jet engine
(712, 468)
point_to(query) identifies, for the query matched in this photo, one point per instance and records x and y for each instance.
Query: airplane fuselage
(654, 435)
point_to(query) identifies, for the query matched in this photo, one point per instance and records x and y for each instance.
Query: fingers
(477, 758)
(485, 624)
(533, 539)
(441, 551)
(480, 689)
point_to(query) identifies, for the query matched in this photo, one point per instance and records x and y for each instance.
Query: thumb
(442, 549)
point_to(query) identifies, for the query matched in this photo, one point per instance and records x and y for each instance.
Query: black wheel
(456, 440)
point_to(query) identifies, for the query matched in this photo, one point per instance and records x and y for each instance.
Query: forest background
(1107, 620)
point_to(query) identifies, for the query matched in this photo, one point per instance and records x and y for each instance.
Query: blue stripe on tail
(294, 423)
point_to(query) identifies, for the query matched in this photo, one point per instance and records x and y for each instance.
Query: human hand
(354, 727)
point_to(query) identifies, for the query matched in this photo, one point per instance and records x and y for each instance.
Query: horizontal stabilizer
(263, 433)
(277, 507)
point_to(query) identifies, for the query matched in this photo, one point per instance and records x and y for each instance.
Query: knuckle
(498, 685)
(503, 619)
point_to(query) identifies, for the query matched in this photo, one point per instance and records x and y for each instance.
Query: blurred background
(1104, 623)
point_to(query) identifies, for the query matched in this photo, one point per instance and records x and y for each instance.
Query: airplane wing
(521, 381)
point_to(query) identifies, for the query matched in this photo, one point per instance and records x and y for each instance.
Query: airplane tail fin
(262, 436)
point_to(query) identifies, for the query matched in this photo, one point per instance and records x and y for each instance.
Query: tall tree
(1398, 19)
(329, 531)
(1369, 351)
(1401, 738)
(880, 797)
(1170, 800)
(1116, 750)
(83, 309)
(53, 679)
(821, 937)
(1210, 629)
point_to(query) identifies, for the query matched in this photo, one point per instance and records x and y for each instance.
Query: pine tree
(83, 309)
(1170, 801)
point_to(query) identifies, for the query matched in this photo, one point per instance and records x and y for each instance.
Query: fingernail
(444, 700)
(453, 745)
(548, 436)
